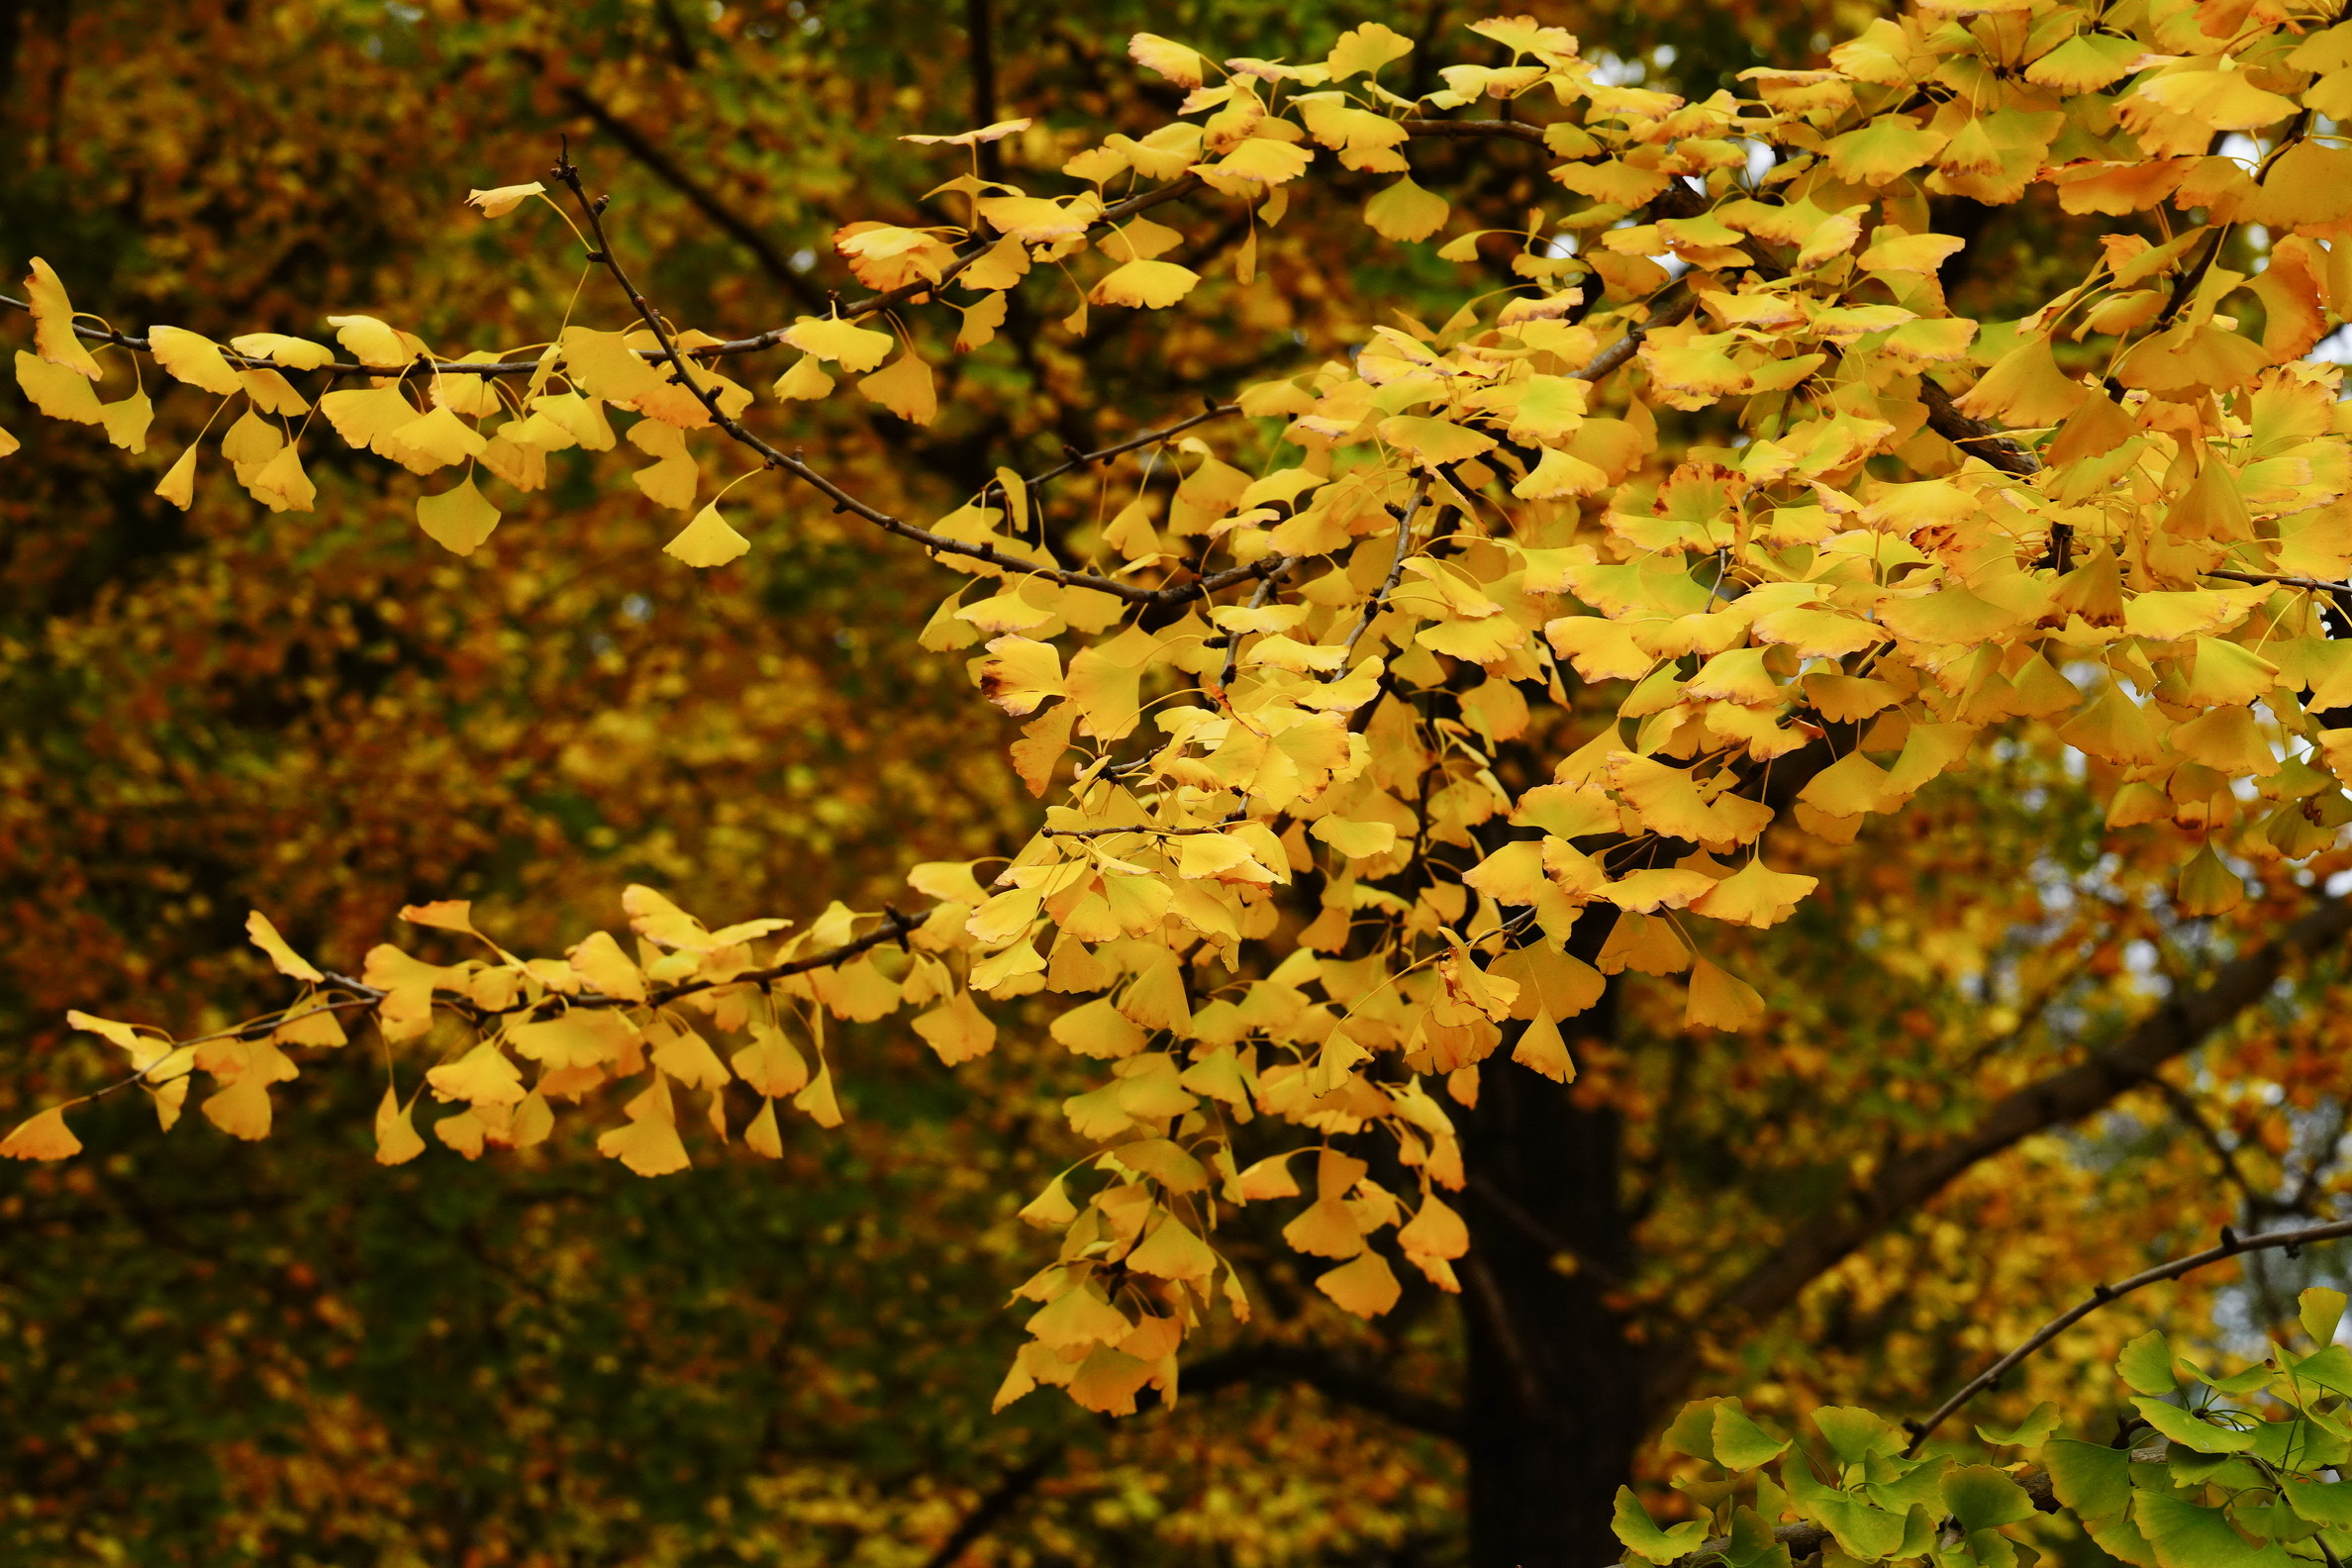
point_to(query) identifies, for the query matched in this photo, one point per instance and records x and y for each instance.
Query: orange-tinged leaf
(707, 540)
(1366, 1287)
(42, 1137)
(599, 960)
(650, 1148)
(1326, 1229)
(1436, 1229)
(289, 962)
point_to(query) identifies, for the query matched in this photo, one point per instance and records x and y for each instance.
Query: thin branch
(1473, 129)
(2231, 1246)
(1974, 435)
(896, 926)
(1907, 1180)
(706, 201)
(592, 212)
(2186, 1108)
(1151, 438)
(1395, 572)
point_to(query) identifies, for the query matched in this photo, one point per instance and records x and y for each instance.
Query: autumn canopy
(1445, 738)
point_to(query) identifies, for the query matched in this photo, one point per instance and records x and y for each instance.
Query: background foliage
(219, 1352)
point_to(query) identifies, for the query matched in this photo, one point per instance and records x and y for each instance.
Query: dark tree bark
(1555, 1406)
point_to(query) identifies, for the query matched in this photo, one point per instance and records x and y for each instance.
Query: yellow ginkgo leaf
(42, 1137)
(1721, 1000)
(295, 353)
(1366, 1287)
(503, 200)
(1261, 163)
(192, 357)
(283, 486)
(959, 1031)
(854, 348)
(1365, 48)
(1152, 285)
(397, 1141)
(1406, 213)
(265, 937)
(442, 436)
(372, 342)
(459, 519)
(1540, 1049)
(1754, 896)
(650, 1147)
(2222, 99)
(905, 388)
(806, 380)
(126, 420)
(1166, 56)
(243, 1108)
(53, 336)
(9, 445)
(707, 540)
(57, 391)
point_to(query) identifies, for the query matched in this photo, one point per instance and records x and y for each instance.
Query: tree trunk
(1554, 1408)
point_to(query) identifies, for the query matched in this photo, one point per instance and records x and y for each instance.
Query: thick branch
(1973, 436)
(1329, 1376)
(1905, 1182)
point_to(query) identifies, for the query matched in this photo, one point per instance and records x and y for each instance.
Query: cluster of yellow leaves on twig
(2129, 529)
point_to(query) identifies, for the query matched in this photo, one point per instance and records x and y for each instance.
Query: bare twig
(2231, 1246)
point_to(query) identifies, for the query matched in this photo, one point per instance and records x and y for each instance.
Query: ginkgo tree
(1388, 711)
